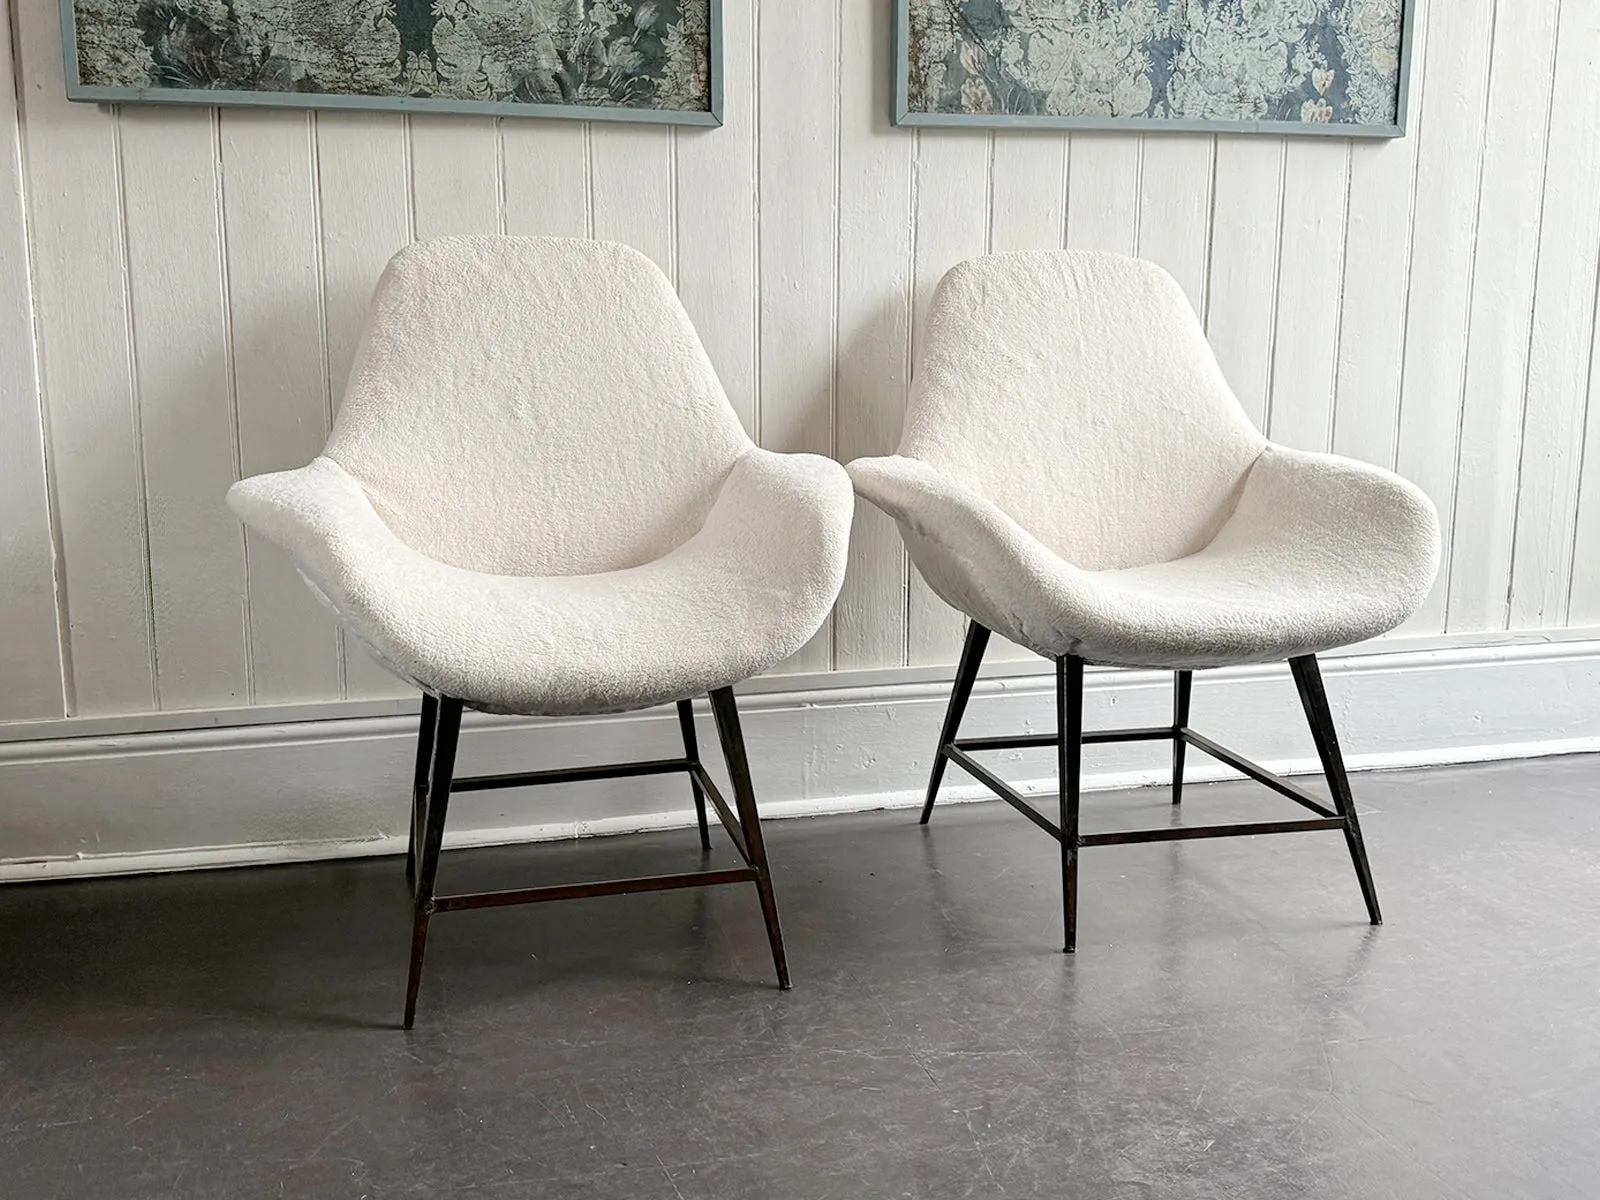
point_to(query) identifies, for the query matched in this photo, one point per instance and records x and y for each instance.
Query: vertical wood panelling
(1583, 607)
(455, 175)
(633, 191)
(1449, 161)
(546, 169)
(873, 369)
(195, 288)
(30, 646)
(1483, 520)
(1175, 191)
(798, 165)
(280, 377)
(1103, 193)
(365, 208)
(952, 224)
(1028, 191)
(1310, 274)
(1377, 280)
(172, 206)
(1563, 331)
(85, 362)
(716, 213)
(1242, 300)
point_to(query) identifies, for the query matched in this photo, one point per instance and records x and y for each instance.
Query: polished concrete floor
(1230, 1026)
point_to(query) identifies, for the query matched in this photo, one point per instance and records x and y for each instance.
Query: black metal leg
(419, 779)
(441, 770)
(726, 712)
(1182, 684)
(691, 751)
(960, 693)
(1308, 679)
(1069, 764)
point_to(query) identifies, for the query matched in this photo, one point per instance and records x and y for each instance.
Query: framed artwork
(1329, 67)
(607, 60)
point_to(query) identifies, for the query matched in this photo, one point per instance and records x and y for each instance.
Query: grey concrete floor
(1230, 1026)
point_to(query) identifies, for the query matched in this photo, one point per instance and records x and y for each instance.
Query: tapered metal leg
(441, 770)
(1308, 679)
(726, 713)
(691, 751)
(419, 780)
(960, 693)
(1182, 684)
(1069, 765)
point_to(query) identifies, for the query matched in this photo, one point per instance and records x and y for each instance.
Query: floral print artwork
(646, 54)
(1329, 62)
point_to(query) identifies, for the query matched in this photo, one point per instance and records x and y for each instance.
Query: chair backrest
(1077, 392)
(534, 406)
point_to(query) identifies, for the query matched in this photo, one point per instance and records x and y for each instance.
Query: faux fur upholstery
(537, 498)
(1076, 475)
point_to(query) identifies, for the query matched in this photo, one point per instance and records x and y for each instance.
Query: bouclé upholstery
(537, 499)
(1076, 475)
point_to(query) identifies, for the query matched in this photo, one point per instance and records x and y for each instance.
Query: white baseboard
(297, 790)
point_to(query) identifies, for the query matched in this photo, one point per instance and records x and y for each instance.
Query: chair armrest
(1360, 520)
(321, 516)
(975, 557)
(781, 524)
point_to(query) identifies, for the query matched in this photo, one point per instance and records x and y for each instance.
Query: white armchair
(537, 499)
(1076, 475)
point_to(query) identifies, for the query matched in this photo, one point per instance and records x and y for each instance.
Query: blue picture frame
(902, 113)
(93, 93)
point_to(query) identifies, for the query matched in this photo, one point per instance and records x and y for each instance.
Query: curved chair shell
(536, 497)
(1076, 476)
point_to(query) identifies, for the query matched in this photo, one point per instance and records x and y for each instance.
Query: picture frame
(908, 106)
(97, 90)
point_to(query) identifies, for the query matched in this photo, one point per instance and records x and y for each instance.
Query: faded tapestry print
(1311, 61)
(625, 53)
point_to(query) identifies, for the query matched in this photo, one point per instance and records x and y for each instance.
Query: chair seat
(1319, 552)
(735, 599)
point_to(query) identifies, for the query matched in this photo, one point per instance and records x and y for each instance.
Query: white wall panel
(1564, 314)
(72, 154)
(1027, 191)
(545, 168)
(798, 104)
(716, 225)
(455, 174)
(1242, 304)
(173, 213)
(364, 205)
(1103, 193)
(1449, 132)
(275, 297)
(634, 194)
(1175, 190)
(30, 643)
(952, 223)
(195, 285)
(1510, 203)
(1310, 273)
(874, 339)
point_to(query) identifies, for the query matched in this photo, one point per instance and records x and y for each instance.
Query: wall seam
(1447, 549)
(130, 322)
(58, 560)
(1533, 301)
(314, 147)
(1344, 281)
(1277, 290)
(230, 372)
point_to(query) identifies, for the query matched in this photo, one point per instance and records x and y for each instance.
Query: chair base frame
(434, 783)
(1070, 738)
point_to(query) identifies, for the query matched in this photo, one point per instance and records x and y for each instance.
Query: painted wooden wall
(180, 293)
